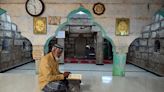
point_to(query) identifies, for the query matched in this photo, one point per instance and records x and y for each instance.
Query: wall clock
(98, 8)
(34, 7)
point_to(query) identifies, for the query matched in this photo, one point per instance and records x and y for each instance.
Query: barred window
(24, 45)
(157, 46)
(5, 45)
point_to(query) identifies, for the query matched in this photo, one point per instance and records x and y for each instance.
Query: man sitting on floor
(50, 78)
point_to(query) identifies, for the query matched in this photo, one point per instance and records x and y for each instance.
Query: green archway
(104, 34)
(118, 59)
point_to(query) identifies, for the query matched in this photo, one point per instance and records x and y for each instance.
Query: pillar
(119, 64)
(37, 54)
(61, 42)
(99, 49)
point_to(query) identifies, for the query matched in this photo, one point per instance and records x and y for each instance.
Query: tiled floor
(131, 70)
(95, 78)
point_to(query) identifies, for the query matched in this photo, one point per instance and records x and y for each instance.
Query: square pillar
(119, 64)
(99, 49)
(61, 42)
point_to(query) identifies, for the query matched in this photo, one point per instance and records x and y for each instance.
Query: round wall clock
(98, 8)
(34, 7)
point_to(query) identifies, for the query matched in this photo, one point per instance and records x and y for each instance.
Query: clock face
(34, 7)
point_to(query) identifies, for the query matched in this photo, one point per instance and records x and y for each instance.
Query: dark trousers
(56, 86)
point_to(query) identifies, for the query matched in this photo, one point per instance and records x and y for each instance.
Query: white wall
(135, 10)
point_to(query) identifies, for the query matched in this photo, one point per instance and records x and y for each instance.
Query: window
(5, 45)
(157, 46)
(24, 45)
(137, 45)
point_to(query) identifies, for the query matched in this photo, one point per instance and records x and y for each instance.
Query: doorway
(80, 45)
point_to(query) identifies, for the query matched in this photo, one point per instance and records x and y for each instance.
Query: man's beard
(57, 58)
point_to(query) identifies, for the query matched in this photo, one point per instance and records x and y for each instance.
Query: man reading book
(50, 78)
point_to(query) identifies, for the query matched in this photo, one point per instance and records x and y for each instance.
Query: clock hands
(34, 5)
(35, 9)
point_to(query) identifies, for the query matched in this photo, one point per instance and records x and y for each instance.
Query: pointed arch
(89, 15)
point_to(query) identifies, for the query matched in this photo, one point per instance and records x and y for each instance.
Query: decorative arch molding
(119, 59)
(2, 11)
(80, 9)
(70, 15)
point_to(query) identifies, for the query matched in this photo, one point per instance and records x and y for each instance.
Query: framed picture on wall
(122, 26)
(54, 20)
(40, 25)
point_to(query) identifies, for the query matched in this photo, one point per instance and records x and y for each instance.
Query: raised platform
(85, 61)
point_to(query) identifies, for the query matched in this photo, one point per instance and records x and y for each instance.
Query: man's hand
(66, 74)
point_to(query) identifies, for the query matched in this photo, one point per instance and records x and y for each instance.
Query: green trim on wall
(2, 11)
(46, 48)
(71, 14)
(160, 12)
(60, 27)
(104, 35)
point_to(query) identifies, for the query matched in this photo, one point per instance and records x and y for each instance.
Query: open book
(75, 77)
